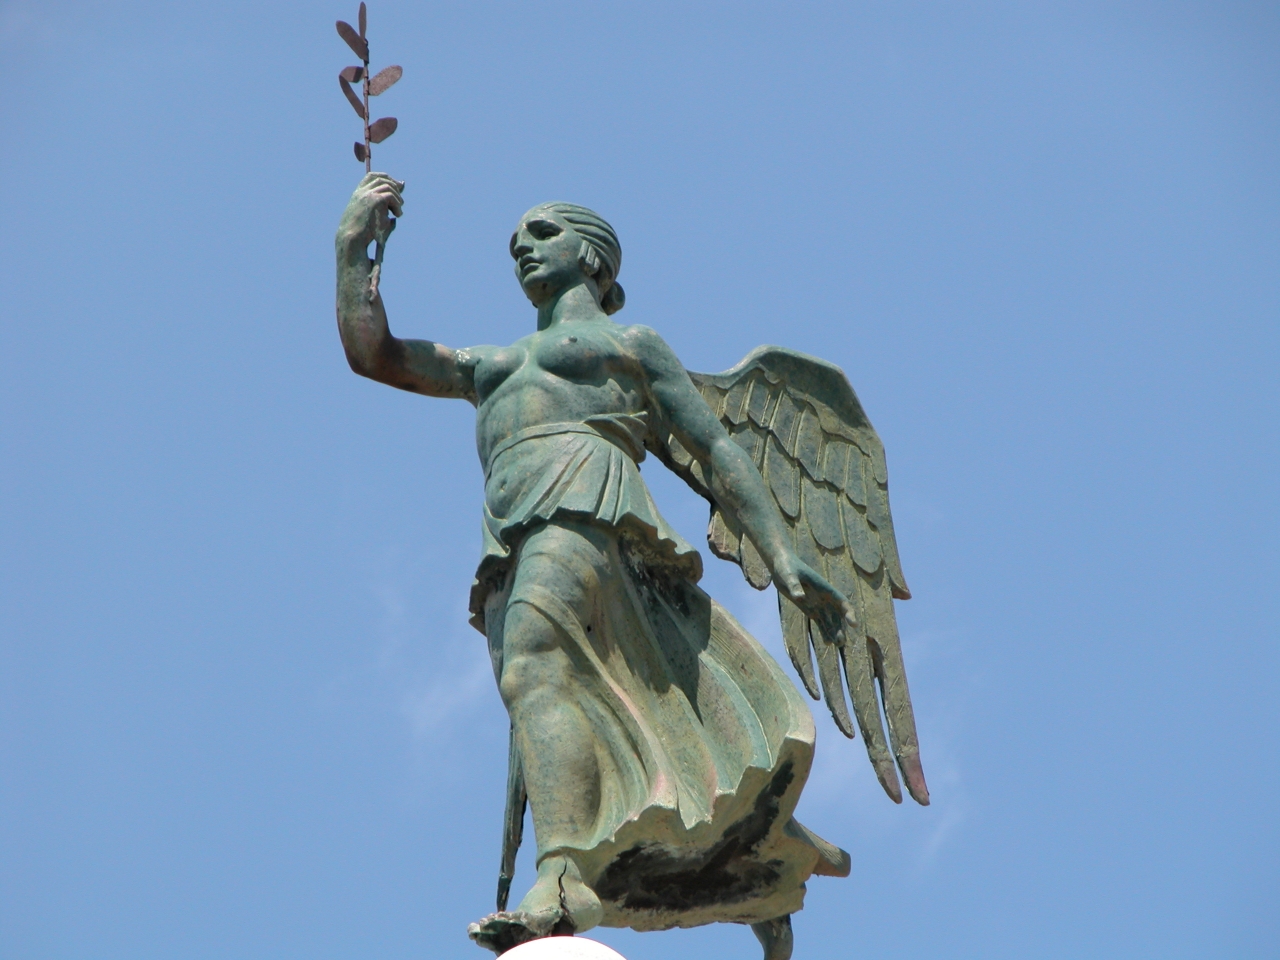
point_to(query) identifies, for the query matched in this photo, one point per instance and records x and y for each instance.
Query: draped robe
(703, 744)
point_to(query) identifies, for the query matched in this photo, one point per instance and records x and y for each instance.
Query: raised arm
(734, 481)
(420, 366)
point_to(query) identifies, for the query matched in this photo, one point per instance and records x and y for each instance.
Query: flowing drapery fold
(703, 744)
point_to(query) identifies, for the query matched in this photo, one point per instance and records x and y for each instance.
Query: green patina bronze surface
(660, 748)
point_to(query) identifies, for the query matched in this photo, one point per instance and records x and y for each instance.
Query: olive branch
(374, 132)
(379, 130)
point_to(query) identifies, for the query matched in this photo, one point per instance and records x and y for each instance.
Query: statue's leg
(556, 741)
(775, 937)
(558, 751)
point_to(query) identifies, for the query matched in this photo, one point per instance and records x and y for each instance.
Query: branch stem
(368, 158)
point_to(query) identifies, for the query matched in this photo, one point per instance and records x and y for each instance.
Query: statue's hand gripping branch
(661, 749)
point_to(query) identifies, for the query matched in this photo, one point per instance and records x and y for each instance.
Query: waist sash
(624, 431)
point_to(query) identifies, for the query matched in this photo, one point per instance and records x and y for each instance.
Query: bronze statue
(662, 750)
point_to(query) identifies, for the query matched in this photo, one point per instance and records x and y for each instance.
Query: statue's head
(559, 245)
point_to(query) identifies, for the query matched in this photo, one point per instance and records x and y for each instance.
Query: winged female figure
(661, 749)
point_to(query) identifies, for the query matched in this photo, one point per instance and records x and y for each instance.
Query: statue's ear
(589, 259)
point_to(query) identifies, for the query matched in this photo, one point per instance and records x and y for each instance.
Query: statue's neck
(578, 302)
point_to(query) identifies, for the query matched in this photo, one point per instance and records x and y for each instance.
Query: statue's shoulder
(647, 348)
(642, 339)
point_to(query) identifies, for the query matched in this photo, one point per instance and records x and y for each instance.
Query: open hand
(368, 214)
(819, 600)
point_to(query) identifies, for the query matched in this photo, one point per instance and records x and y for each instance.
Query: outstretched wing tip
(913, 773)
(888, 778)
(805, 430)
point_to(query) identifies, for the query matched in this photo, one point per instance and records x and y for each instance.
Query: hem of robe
(748, 859)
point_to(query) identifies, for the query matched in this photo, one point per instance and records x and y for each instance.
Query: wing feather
(753, 566)
(861, 674)
(864, 544)
(835, 460)
(892, 674)
(854, 488)
(761, 404)
(822, 512)
(827, 652)
(805, 430)
(784, 419)
(878, 515)
(795, 635)
(808, 443)
(724, 536)
(733, 402)
(749, 438)
(784, 479)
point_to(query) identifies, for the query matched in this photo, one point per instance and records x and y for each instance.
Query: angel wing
(803, 427)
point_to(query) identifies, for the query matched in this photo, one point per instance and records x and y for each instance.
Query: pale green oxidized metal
(661, 749)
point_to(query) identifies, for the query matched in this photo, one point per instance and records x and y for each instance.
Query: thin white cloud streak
(443, 704)
(440, 681)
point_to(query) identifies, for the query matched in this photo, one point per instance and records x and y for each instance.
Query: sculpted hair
(601, 252)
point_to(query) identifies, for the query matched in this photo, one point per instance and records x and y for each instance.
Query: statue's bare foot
(560, 892)
(500, 932)
(559, 904)
(775, 937)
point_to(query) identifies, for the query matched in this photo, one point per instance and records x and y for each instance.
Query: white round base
(562, 948)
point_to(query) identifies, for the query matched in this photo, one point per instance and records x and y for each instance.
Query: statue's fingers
(850, 616)
(388, 196)
(372, 178)
(845, 616)
(385, 184)
(832, 624)
(821, 584)
(375, 181)
(836, 607)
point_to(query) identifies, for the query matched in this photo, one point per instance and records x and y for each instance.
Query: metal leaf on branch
(384, 79)
(379, 130)
(351, 95)
(371, 85)
(354, 40)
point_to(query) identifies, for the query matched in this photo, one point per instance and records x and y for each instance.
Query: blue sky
(242, 714)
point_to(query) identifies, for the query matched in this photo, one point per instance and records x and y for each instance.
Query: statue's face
(545, 248)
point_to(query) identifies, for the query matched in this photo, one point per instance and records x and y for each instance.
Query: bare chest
(572, 356)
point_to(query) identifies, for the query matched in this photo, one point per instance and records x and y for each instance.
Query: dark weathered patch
(654, 877)
(646, 566)
(679, 618)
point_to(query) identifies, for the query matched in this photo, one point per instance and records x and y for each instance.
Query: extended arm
(419, 366)
(734, 481)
